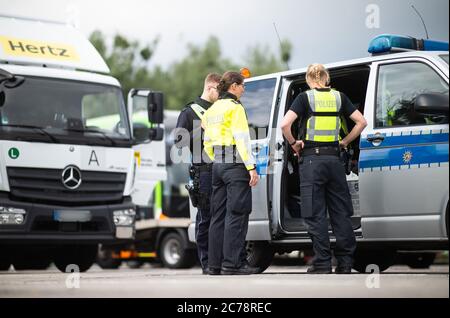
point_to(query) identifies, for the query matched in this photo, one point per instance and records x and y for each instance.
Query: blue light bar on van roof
(388, 42)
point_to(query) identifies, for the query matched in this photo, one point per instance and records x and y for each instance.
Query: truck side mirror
(155, 107)
(432, 103)
(156, 134)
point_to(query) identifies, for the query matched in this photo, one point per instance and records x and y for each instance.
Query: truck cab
(67, 175)
(399, 174)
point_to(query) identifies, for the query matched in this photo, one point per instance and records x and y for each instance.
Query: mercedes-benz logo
(71, 177)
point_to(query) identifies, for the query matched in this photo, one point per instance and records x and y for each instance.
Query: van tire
(418, 260)
(174, 254)
(259, 254)
(383, 259)
(83, 256)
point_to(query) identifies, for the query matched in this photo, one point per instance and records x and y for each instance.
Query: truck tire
(173, 253)
(4, 264)
(135, 264)
(259, 254)
(31, 258)
(418, 260)
(383, 259)
(106, 261)
(81, 255)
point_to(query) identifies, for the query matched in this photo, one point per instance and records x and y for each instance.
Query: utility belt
(322, 151)
(344, 155)
(202, 167)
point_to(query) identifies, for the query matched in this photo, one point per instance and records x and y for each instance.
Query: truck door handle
(377, 138)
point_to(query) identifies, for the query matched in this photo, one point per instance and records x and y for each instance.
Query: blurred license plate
(72, 215)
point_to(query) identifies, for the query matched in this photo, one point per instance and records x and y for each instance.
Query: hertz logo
(20, 47)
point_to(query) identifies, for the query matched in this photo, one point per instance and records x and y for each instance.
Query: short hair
(212, 78)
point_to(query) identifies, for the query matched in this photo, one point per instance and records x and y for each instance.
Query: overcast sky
(320, 31)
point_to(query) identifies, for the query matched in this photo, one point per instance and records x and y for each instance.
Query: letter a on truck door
(404, 153)
(150, 155)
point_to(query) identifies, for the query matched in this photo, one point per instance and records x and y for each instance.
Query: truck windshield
(61, 108)
(445, 58)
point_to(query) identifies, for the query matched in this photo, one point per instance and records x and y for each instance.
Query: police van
(73, 166)
(399, 178)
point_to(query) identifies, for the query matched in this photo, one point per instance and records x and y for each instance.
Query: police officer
(323, 184)
(227, 142)
(189, 133)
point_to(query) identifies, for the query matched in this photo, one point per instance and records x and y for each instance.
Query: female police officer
(227, 142)
(323, 184)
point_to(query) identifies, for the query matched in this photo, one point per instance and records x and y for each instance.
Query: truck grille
(45, 186)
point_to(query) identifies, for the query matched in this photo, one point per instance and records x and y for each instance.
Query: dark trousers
(231, 204)
(323, 186)
(203, 217)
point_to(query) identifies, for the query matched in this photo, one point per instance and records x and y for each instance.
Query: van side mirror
(155, 106)
(432, 103)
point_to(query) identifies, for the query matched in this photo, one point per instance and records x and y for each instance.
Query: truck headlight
(10, 215)
(124, 217)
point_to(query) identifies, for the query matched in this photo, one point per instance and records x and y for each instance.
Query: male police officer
(190, 120)
(323, 184)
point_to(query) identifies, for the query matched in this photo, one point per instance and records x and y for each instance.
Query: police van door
(150, 155)
(404, 154)
(259, 100)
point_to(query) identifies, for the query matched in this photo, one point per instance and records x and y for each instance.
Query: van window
(398, 86)
(257, 101)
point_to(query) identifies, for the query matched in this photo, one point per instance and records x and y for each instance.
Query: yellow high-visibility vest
(325, 122)
(225, 124)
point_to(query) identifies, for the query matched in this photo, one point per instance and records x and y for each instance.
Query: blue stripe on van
(419, 155)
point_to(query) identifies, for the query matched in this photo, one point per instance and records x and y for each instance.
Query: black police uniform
(323, 187)
(189, 120)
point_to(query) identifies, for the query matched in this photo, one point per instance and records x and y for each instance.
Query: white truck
(399, 180)
(69, 179)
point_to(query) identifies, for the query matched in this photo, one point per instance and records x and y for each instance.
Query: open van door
(260, 101)
(145, 109)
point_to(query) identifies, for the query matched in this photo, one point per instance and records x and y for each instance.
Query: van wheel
(259, 254)
(418, 260)
(173, 254)
(364, 258)
(106, 261)
(81, 255)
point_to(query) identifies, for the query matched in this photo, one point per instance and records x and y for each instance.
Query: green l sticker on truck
(13, 153)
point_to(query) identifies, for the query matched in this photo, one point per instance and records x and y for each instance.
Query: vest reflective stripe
(198, 110)
(324, 128)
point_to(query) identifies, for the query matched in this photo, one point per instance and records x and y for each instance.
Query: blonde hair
(317, 74)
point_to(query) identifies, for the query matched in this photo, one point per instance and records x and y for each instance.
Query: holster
(346, 159)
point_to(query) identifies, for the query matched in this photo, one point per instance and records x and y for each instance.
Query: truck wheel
(4, 264)
(259, 254)
(174, 255)
(135, 264)
(364, 258)
(106, 261)
(418, 260)
(83, 256)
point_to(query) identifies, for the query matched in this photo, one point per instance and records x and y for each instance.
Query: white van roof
(26, 41)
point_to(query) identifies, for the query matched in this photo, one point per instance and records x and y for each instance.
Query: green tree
(127, 60)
